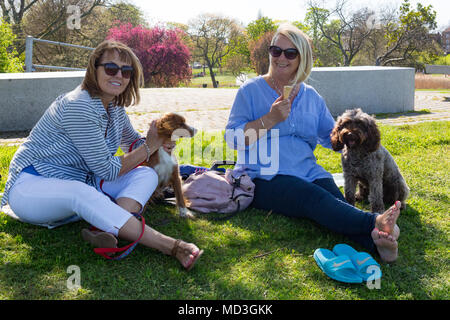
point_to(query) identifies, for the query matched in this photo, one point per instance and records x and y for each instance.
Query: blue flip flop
(361, 260)
(339, 268)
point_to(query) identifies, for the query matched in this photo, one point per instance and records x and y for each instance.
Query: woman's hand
(153, 140)
(280, 109)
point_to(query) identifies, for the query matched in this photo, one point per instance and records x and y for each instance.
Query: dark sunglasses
(290, 53)
(111, 69)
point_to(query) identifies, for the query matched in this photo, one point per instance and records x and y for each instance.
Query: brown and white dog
(171, 127)
(366, 163)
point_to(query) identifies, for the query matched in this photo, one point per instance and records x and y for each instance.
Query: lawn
(225, 79)
(254, 255)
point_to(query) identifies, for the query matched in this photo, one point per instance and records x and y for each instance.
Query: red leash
(128, 248)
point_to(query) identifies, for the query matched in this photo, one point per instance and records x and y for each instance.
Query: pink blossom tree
(164, 57)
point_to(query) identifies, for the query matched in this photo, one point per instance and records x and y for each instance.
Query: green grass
(390, 115)
(437, 90)
(443, 60)
(34, 260)
(226, 79)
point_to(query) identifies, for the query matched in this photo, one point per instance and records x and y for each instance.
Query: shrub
(164, 57)
(9, 60)
(259, 54)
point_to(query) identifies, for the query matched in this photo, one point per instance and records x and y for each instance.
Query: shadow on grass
(253, 255)
(404, 279)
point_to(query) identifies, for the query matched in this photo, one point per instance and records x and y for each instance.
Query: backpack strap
(236, 184)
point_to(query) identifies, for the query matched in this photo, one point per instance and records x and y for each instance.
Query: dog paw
(186, 213)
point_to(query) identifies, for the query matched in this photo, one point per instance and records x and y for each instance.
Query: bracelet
(262, 122)
(147, 148)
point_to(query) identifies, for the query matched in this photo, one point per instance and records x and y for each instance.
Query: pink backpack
(214, 191)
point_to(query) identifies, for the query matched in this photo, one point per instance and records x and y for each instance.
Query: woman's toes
(386, 245)
(375, 234)
(188, 254)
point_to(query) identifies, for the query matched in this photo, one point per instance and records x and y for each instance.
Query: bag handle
(217, 164)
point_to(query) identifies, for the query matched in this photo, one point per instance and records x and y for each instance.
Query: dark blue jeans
(320, 201)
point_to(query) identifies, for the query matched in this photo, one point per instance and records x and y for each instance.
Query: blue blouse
(288, 148)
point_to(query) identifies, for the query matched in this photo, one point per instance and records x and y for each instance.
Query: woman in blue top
(54, 177)
(276, 135)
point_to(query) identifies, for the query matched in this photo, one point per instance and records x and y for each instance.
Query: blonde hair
(131, 94)
(302, 43)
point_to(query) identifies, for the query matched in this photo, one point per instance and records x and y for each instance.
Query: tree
(93, 29)
(259, 53)
(347, 33)
(325, 53)
(164, 57)
(214, 37)
(17, 11)
(9, 62)
(259, 27)
(408, 35)
(237, 65)
(13, 11)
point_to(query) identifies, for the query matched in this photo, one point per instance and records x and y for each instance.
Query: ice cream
(287, 91)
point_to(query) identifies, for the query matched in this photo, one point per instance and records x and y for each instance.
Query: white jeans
(51, 202)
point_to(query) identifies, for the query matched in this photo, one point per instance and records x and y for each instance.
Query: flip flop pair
(345, 264)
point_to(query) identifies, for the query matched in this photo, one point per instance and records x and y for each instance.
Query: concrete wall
(373, 89)
(437, 69)
(24, 97)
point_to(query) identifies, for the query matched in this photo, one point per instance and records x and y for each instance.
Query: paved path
(208, 109)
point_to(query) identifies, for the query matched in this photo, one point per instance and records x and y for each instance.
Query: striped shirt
(76, 139)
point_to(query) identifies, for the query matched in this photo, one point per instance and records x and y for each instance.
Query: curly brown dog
(366, 163)
(171, 127)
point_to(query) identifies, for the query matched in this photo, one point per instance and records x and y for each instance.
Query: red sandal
(196, 255)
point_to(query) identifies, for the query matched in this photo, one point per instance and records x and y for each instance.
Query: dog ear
(336, 144)
(373, 136)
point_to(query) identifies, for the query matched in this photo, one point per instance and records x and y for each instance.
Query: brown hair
(131, 94)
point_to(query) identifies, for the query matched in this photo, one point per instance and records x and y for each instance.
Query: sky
(246, 11)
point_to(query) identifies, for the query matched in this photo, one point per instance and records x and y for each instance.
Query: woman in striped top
(54, 177)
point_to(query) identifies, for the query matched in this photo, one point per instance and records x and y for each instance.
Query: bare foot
(186, 253)
(386, 245)
(387, 221)
(99, 239)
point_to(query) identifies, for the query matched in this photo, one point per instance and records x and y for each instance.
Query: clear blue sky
(247, 10)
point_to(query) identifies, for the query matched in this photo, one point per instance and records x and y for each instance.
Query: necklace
(277, 89)
(280, 92)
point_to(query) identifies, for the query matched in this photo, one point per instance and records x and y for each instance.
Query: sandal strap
(175, 247)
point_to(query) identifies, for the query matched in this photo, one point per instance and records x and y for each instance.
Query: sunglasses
(290, 53)
(111, 69)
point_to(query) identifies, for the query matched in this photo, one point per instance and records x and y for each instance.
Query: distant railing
(29, 66)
